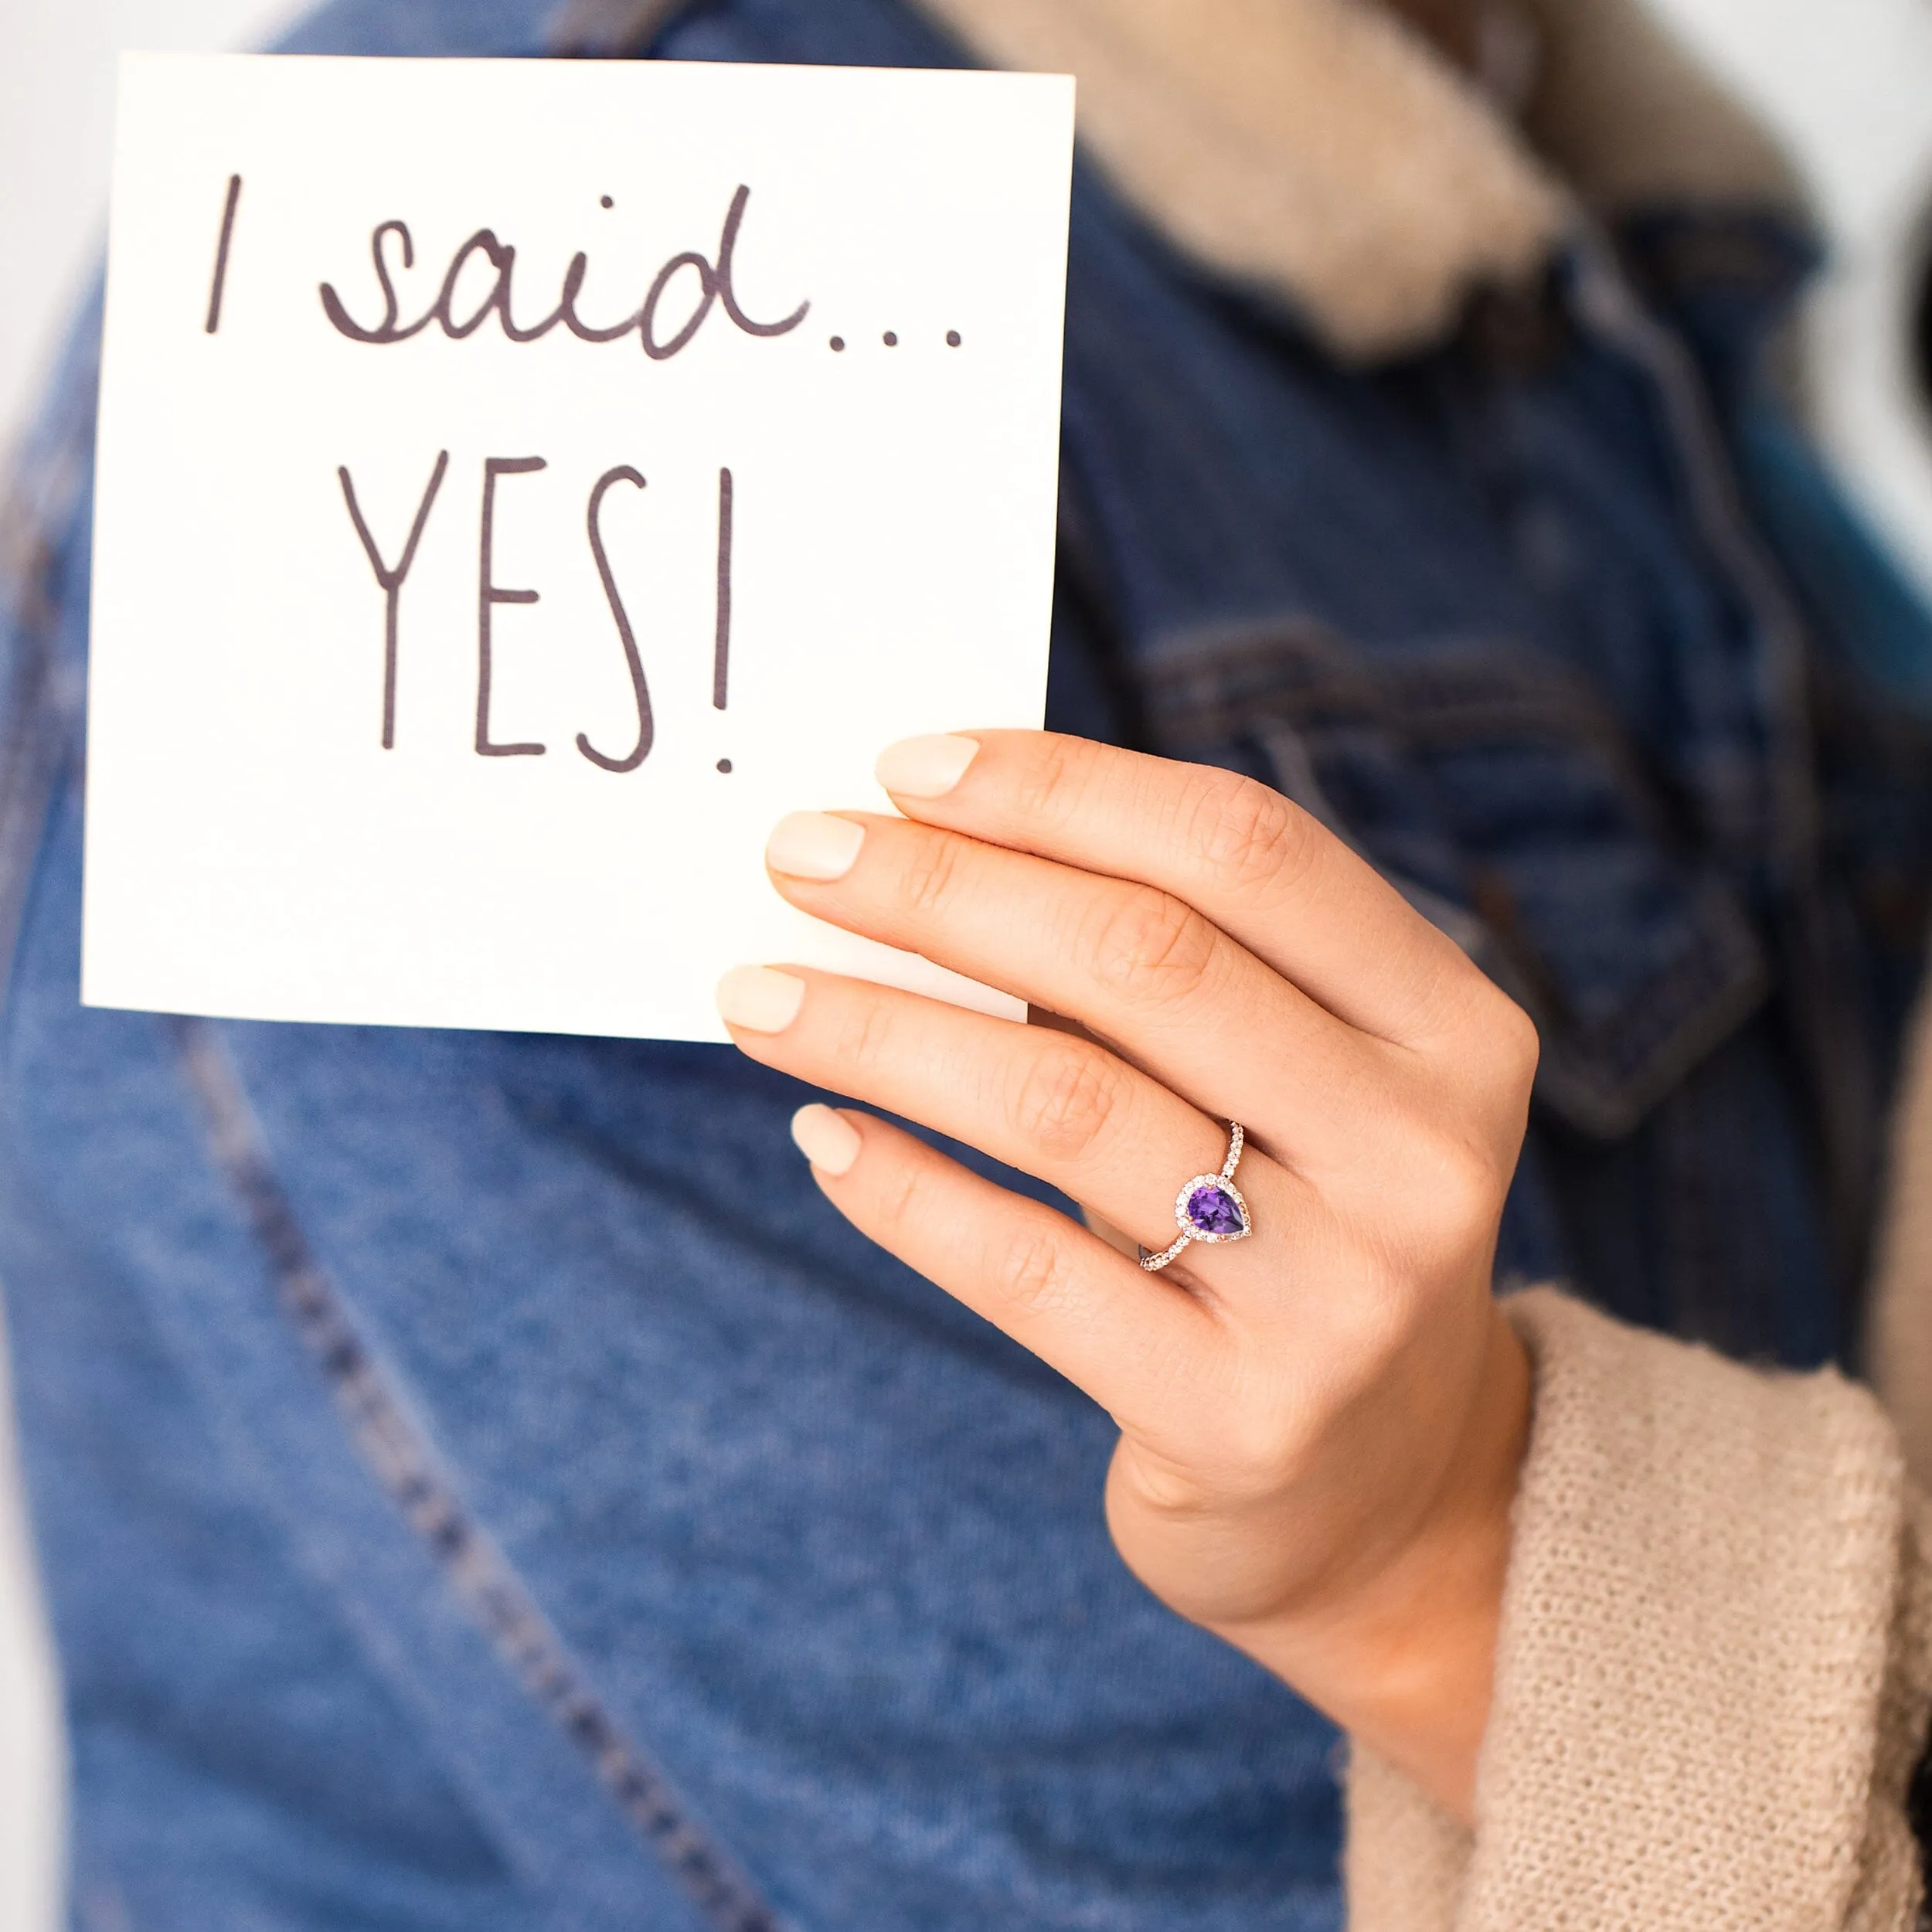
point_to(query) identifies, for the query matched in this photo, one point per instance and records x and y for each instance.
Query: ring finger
(1050, 1103)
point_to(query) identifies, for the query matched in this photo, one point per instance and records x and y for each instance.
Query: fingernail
(925, 767)
(760, 1000)
(813, 845)
(828, 1140)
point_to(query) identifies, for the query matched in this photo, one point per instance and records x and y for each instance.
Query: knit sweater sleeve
(1715, 1669)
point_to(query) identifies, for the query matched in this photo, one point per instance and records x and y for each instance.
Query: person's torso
(482, 1485)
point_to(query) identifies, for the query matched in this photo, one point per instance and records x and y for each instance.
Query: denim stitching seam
(403, 1462)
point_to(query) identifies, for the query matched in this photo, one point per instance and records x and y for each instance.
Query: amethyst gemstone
(1213, 1210)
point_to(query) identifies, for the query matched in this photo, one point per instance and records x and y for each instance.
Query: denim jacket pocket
(1497, 791)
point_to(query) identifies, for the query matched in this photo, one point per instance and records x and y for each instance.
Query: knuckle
(1066, 1100)
(1157, 1487)
(1251, 1454)
(1488, 1067)
(866, 1039)
(1495, 1043)
(927, 880)
(1462, 1187)
(1259, 1447)
(894, 1206)
(1056, 780)
(1032, 1275)
(1515, 1047)
(1149, 946)
(1383, 1319)
(1248, 836)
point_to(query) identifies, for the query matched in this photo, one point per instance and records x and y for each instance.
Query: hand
(1319, 1425)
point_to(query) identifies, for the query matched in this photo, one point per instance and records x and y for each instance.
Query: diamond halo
(1204, 1223)
(1209, 1208)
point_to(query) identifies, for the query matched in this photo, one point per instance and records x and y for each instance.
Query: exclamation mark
(221, 254)
(721, 647)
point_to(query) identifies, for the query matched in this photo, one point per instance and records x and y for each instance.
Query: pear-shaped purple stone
(1213, 1210)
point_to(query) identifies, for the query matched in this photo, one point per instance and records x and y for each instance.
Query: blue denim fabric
(457, 1515)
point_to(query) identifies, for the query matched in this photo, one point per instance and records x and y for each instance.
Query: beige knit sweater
(1714, 1673)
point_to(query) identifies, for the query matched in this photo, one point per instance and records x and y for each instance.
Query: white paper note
(750, 375)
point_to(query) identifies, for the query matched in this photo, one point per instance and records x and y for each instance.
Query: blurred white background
(1849, 82)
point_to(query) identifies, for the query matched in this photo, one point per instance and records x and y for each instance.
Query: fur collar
(1320, 150)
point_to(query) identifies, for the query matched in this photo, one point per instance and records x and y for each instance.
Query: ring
(1209, 1207)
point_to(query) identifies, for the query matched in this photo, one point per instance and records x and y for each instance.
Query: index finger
(1266, 872)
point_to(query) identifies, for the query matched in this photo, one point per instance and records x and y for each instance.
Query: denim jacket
(455, 1514)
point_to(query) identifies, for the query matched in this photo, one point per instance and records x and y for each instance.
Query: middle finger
(1135, 965)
